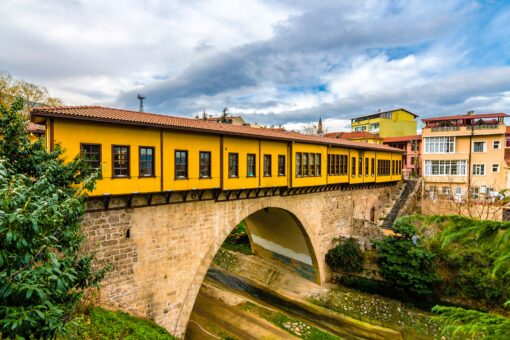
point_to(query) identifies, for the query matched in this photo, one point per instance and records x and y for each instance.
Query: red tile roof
(119, 116)
(401, 139)
(473, 116)
(35, 128)
(352, 135)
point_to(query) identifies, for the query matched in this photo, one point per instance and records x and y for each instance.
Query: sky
(285, 62)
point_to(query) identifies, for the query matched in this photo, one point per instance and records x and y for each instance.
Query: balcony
(485, 126)
(445, 128)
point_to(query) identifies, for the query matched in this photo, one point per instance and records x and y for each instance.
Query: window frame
(479, 167)
(254, 157)
(433, 145)
(305, 166)
(492, 168)
(128, 147)
(140, 147)
(237, 164)
(353, 166)
(100, 154)
(267, 166)
(187, 164)
(299, 165)
(484, 146)
(200, 153)
(318, 164)
(499, 144)
(280, 166)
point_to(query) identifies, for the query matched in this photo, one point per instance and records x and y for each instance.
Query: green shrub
(404, 263)
(347, 256)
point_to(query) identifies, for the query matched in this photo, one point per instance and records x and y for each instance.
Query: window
(233, 165)
(281, 165)
(181, 164)
(205, 164)
(311, 159)
(146, 158)
(386, 115)
(328, 171)
(372, 167)
(120, 160)
(495, 167)
(251, 165)
(360, 128)
(479, 169)
(458, 191)
(374, 127)
(360, 166)
(92, 154)
(353, 166)
(479, 147)
(496, 145)
(267, 165)
(305, 164)
(366, 167)
(393, 167)
(445, 168)
(507, 142)
(299, 165)
(439, 144)
(318, 163)
(383, 167)
(446, 191)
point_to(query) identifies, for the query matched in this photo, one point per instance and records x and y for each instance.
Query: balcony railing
(480, 127)
(445, 128)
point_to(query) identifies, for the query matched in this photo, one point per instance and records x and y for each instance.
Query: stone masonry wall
(160, 254)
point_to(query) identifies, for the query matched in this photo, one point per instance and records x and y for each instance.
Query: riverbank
(352, 308)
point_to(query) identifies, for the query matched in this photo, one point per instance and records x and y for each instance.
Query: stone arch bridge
(161, 245)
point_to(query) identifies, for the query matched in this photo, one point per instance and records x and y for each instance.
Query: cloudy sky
(276, 62)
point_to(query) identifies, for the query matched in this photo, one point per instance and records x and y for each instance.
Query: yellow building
(140, 152)
(394, 123)
(463, 155)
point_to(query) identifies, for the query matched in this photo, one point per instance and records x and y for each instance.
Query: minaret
(320, 131)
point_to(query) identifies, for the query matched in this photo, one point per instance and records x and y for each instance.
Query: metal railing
(445, 128)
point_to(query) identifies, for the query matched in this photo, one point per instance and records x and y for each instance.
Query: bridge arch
(273, 228)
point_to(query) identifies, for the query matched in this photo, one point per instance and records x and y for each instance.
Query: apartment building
(464, 156)
(394, 123)
(411, 159)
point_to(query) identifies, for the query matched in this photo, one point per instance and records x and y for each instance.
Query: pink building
(411, 159)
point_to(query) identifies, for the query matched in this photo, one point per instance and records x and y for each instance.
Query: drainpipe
(469, 161)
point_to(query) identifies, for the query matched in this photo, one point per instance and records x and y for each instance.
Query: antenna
(140, 98)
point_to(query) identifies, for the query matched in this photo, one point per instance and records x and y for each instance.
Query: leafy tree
(346, 255)
(404, 261)
(43, 272)
(32, 94)
(487, 235)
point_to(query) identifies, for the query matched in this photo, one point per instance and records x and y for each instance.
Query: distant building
(464, 156)
(359, 136)
(394, 123)
(411, 159)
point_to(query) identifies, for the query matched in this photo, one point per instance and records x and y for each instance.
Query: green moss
(290, 325)
(225, 260)
(98, 323)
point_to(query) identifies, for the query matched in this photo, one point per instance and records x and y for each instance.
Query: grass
(290, 325)
(97, 324)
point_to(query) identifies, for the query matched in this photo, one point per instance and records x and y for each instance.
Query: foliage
(238, 240)
(406, 262)
(489, 236)
(32, 94)
(346, 255)
(43, 273)
(97, 323)
(463, 322)
(372, 286)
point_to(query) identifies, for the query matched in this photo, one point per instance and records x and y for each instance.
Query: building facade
(394, 123)
(464, 156)
(139, 152)
(359, 136)
(411, 159)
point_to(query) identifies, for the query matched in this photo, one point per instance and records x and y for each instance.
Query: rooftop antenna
(140, 98)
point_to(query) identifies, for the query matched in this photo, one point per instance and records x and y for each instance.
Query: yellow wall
(402, 123)
(70, 134)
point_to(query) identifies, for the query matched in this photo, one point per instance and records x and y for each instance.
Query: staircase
(399, 204)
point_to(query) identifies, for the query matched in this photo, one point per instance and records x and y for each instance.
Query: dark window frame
(128, 168)
(299, 164)
(268, 166)
(248, 156)
(100, 154)
(140, 147)
(281, 166)
(353, 166)
(237, 165)
(318, 165)
(186, 169)
(200, 153)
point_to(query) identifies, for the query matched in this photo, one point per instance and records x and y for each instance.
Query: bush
(406, 262)
(346, 256)
(43, 271)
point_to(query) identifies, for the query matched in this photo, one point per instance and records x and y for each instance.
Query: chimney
(470, 113)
